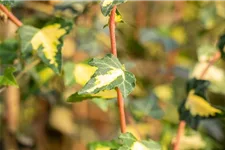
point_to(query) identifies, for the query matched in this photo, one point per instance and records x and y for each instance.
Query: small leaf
(107, 5)
(8, 79)
(118, 18)
(46, 42)
(8, 51)
(109, 75)
(221, 46)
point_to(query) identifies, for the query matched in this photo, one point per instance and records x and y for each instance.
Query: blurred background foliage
(162, 43)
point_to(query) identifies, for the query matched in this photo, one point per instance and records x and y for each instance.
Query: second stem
(112, 26)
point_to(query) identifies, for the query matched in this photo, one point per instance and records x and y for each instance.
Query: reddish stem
(211, 62)
(112, 27)
(179, 134)
(11, 16)
(182, 123)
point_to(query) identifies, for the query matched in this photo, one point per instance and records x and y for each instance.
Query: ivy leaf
(8, 79)
(107, 5)
(109, 75)
(46, 42)
(7, 3)
(8, 51)
(221, 46)
(196, 106)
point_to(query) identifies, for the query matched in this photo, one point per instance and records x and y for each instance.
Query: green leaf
(68, 73)
(127, 139)
(221, 45)
(107, 5)
(109, 75)
(78, 98)
(8, 79)
(46, 42)
(7, 3)
(8, 51)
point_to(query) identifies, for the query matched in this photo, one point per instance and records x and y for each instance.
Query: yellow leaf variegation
(47, 42)
(198, 106)
(48, 38)
(110, 73)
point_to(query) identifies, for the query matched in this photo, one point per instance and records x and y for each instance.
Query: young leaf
(7, 79)
(8, 51)
(109, 75)
(221, 45)
(107, 5)
(46, 42)
(196, 106)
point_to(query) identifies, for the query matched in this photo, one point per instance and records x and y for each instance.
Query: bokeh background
(162, 43)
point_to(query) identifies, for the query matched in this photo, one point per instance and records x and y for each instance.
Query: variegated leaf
(46, 42)
(109, 75)
(107, 5)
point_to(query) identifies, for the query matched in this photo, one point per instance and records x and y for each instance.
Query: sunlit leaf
(8, 51)
(107, 5)
(109, 75)
(196, 106)
(8, 79)
(46, 42)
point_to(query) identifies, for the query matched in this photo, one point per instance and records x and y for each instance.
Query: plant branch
(112, 27)
(182, 123)
(11, 16)
(27, 68)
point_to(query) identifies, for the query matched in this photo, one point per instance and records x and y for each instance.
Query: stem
(183, 123)
(11, 16)
(112, 26)
(179, 134)
(27, 68)
(211, 62)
